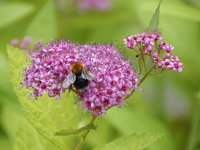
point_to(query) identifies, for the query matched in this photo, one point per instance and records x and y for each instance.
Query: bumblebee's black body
(80, 83)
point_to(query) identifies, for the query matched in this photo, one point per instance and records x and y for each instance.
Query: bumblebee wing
(71, 78)
(87, 75)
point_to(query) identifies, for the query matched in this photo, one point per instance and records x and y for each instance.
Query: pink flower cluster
(154, 46)
(114, 76)
(24, 44)
(101, 5)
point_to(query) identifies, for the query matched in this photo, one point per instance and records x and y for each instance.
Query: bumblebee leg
(71, 88)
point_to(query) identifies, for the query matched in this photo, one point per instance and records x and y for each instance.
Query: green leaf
(134, 142)
(194, 2)
(5, 84)
(47, 115)
(43, 25)
(177, 9)
(10, 116)
(19, 130)
(194, 137)
(11, 12)
(69, 131)
(134, 121)
(108, 133)
(182, 10)
(153, 25)
(174, 31)
(5, 143)
(27, 137)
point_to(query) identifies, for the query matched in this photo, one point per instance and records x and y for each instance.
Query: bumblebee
(78, 77)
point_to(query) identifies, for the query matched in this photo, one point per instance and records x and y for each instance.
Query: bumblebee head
(76, 68)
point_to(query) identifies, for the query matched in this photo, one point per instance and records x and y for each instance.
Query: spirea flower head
(114, 76)
(154, 46)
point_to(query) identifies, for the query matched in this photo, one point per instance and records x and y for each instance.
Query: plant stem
(143, 60)
(140, 69)
(83, 137)
(141, 81)
(145, 76)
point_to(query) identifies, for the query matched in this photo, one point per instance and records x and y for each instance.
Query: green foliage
(183, 11)
(105, 133)
(46, 115)
(4, 143)
(194, 141)
(10, 122)
(132, 121)
(134, 141)
(171, 8)
(184, 34)
(28, 138)
(11, 12)
(5, 85)
(153, 24)
(96, 26)
(70, 131)
(194, 2)
(10, 113)
(43, 25)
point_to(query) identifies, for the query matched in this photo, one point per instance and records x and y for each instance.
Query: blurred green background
(169, 103)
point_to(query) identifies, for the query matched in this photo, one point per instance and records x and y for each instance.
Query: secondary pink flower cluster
(114, 76)
(24, 44)
(101, 5)
(154, 46)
